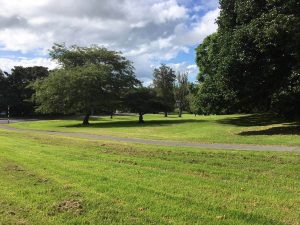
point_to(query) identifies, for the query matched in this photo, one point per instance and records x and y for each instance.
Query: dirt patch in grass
(13, 167)
(72, 206)
(17, 170)
(10, 213)
(22, 222)
(128, 162)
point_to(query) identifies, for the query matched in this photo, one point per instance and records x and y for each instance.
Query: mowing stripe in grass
(120, 183)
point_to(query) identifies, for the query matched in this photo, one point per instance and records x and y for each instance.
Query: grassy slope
(251, 129)
(56, 180)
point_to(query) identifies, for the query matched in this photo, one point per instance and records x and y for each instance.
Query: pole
(8, 114)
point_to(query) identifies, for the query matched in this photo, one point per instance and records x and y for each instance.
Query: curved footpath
(245, 147)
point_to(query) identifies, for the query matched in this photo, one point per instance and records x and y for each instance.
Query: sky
(148, 32)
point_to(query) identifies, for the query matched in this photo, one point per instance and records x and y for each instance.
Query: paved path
(4, 120)
(245, 147)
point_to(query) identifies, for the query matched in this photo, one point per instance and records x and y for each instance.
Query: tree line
(91, 80)
(251, 64)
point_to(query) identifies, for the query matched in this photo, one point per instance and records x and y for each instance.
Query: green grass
(250, 129)
(55, 180)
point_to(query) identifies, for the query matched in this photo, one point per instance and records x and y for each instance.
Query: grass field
(250, 129)
(55, 180)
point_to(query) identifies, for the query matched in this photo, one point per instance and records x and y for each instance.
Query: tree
(18, 90)
(143, 100)
(164, 80)
(3, 92)
(286, 101)
(181, 92)
(214, 96)
(90, 79)
(207, 57)
(193, 104)
(253, 54)
(76, 90)
(193, 99)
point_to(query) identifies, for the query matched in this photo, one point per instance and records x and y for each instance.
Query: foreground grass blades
(242, 129)
(57, 180)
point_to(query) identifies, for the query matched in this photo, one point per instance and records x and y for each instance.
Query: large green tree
(142, 101)
(90, 79)
(164, 80)
(214, 95)
(76, 90)
(254, 53)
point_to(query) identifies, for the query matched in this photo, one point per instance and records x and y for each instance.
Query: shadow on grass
(134, 123)
(256, 120)
(286, 130)
(291, 127)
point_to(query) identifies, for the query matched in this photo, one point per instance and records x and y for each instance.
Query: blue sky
(148, 32)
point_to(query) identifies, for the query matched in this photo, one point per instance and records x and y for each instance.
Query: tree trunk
(141, 119)
(111, 115)
(166, 114)
(179, 112)
(86, 119)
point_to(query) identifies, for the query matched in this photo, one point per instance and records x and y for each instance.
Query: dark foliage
(254, 58)
(142, 101)
(15, 89)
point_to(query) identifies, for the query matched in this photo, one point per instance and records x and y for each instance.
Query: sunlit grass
(251, 129)
(54, 180)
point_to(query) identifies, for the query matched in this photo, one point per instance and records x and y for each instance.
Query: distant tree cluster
(15, 89)
(90, 80)
(252, 63)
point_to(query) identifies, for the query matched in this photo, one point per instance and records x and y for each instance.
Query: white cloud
(205, 5)
(6, 64)
(185, 67)
(19, 39)
(167, 11)
(195, 34)
(146, 31)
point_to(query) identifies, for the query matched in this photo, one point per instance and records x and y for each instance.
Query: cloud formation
(147, 32)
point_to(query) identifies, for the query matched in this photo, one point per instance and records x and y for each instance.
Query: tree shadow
(285, 130)
(256, 120)
(134, 123)
(287, 126)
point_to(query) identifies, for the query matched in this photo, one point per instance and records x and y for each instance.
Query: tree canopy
(164, 80)
(181, 92)
(142, 101)
(253, 57)
(90, 78)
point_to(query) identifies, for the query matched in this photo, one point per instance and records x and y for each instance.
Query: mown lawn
(250, 129)
(55, 180)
